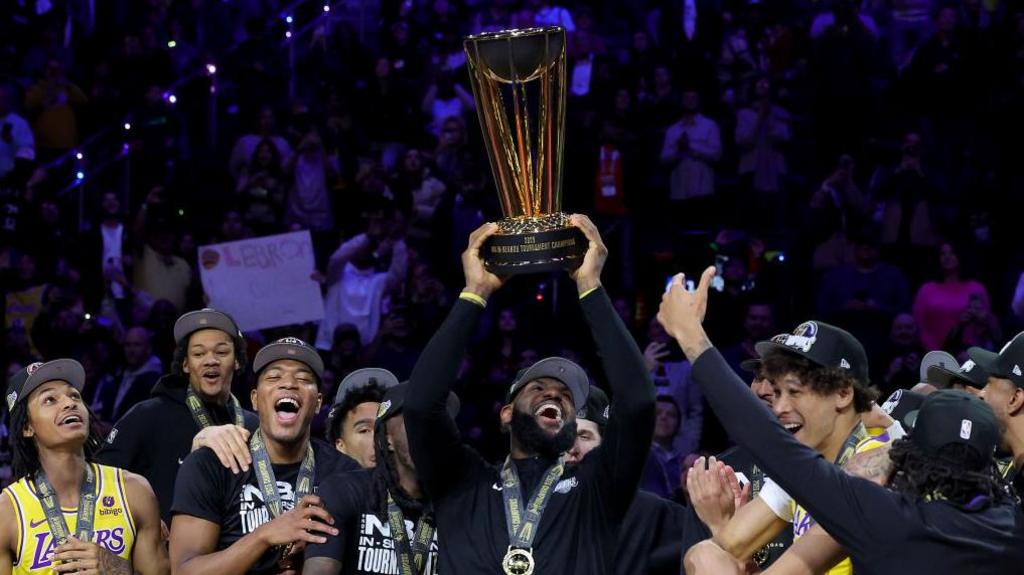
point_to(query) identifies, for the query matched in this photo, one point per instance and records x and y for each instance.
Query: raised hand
(479, 281)
(682, 313)
(588, 275)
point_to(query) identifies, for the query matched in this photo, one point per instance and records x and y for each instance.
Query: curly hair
(385, 478)
(822, 380)
(25, 454)
(957, 473)
(372, 391)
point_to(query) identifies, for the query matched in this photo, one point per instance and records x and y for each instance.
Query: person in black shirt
(258, 521)
(191, 407)
(350, 423)
(945, 509)
(1004, 391)
(578, 529)
(366, 505)
(651, 533)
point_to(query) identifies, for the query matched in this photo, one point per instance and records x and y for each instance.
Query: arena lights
(172, 44)
(288, 34)
(288, 19)
(172, 99)
(79, 156)
(327, 7)
(211, 69)
(79, 175)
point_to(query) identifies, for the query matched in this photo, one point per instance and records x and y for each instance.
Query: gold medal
(518, 562)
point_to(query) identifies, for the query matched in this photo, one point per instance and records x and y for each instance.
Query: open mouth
(287, 409)
(211, 376)
(549, 412)
(792, 427)
(71, 419)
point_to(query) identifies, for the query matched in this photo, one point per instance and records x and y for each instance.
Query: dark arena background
(315, 169)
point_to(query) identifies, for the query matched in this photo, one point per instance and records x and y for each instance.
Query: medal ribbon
(411, 554)
(51, 507)
(202, 417)
(265, 475)
(522, 523)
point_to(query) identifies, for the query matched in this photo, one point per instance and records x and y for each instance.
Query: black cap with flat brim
(970, 374)
(822, 344)
(1007, 364)
(289, 348)
(597, 408)
(751, 365)
(206, 318)
(394, 402)
(903, 405)
(32, 376)
(952, 416)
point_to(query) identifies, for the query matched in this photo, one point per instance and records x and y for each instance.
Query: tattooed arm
(874, 465)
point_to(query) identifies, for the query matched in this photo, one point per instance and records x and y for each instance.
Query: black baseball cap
(970, 374)
(951, 416)
(363, 377)
(1006, 364)
(751, 365)
(559, 368)
(289, 348)
(597, 408)
(903, 405)
(823, 344)
(32, 376)
(394, 402)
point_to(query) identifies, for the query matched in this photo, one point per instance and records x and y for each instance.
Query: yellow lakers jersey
(113, 525)
(802, 521)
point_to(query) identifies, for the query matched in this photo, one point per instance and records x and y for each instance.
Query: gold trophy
(519, 85)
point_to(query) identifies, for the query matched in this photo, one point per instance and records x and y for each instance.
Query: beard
(534, 439)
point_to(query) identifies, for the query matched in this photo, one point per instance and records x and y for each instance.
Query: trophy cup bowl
(519, 85)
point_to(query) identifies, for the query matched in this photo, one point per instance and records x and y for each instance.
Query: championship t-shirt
(208, 490)
(364, 544)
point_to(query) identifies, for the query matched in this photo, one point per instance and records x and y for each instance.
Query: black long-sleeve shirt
(579, 530)
(883, 531)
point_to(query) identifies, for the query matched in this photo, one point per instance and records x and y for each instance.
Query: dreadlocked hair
(25, 454)
(822, 380)
(385, 479)
(956, 473)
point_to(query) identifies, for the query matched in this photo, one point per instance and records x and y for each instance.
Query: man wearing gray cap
(350, 423)
(533, 514)
(259, 521)
(191, 407)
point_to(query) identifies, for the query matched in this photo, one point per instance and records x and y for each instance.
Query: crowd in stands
(852, 161)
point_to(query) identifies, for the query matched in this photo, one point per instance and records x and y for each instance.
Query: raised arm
(628, 438)
(839, 502)
(434, 440)
(150, 554)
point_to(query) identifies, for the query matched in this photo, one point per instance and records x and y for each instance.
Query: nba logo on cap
(965, 428)
(802, 338)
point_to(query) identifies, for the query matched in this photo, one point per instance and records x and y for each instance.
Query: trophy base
(531, 245)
